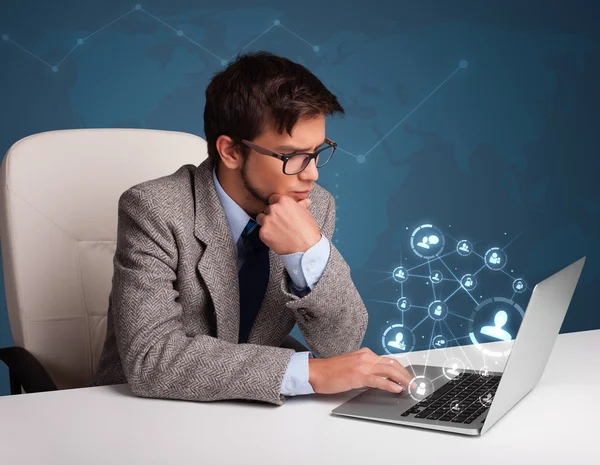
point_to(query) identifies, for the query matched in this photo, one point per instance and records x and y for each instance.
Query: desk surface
(555, 424)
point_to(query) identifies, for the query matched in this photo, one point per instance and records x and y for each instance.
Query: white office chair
(59, 193)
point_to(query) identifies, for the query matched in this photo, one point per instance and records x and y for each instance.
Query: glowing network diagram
(490, 320)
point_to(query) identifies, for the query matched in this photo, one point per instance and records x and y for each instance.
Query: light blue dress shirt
(305, 270)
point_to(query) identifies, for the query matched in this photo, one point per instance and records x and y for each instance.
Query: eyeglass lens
(299, 162)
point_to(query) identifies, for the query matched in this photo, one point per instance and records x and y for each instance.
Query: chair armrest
(26, 371)
(291, 342)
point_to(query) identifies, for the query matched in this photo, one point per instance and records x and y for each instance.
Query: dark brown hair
(260, 90)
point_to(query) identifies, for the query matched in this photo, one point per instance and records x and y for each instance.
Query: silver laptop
(470, 402)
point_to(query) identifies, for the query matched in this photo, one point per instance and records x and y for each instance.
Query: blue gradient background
(503, 151)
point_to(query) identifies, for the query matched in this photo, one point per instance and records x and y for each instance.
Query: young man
(216, 263)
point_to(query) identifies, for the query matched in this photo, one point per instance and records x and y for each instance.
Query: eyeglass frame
(286, 157)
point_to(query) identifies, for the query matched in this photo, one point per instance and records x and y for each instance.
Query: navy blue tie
(253, 276)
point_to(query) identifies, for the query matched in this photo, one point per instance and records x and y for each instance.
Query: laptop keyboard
(460, 400)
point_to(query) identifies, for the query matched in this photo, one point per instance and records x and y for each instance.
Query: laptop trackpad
(383, 404)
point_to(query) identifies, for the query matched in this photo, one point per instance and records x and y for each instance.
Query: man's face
(263, 176)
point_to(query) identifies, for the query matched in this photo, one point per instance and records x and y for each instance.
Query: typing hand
(287, 226)
(355, 370)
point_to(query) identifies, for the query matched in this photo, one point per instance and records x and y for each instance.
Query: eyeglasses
(294, 163)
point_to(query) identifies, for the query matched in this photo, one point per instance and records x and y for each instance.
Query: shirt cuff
(306, 268)
(295, 380)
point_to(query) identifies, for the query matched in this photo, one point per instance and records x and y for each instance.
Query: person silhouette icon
(464, 247)
(428, 240)
(421, 389)
(495, 259)
(398, 344)
(496, 331)
(452, 370)
(468, 282)
(403, 304)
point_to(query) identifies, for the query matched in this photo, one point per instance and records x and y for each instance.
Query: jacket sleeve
(332, 317)
(159, 359)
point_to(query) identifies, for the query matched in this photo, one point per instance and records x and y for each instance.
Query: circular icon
(519, 285)
(464, 248)
(420, 387)
(453, 367)
(398, 339)
(427, 241)
(439, 342)
(484, 372)
(495, 319)
(437, 310)
(400, 274)
(486, 399)
(495, 259)
(469, 282)
(403, 304)
(436, 276)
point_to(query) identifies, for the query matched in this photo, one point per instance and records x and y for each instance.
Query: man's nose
(310, 173)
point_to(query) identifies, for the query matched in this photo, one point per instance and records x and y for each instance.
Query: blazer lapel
(218, 263)
(218, 267)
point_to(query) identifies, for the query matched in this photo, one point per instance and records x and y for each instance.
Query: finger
(383, 384)
(274, 198)
(305, 203)
(402, 368)
(405, 373)
(260, 218)
(392, 370)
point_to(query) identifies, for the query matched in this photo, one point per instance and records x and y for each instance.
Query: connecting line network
(360, 158)
(493, 319)
(178, 32)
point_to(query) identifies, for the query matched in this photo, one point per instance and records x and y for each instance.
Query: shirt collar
(235, 215)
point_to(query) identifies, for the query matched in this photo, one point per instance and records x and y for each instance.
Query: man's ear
(230, 155)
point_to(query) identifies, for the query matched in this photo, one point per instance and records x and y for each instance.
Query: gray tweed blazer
(173, 310)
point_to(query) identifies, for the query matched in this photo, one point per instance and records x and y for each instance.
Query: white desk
(557, 423)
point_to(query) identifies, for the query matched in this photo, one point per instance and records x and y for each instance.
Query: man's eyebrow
(285, 148)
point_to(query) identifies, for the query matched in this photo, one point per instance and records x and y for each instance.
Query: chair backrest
(59, 193)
